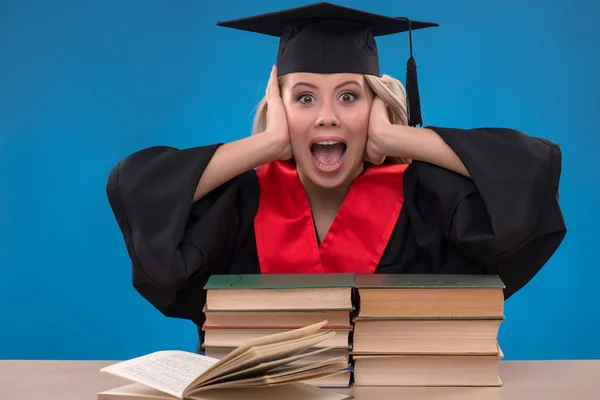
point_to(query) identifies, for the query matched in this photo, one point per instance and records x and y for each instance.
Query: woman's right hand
(276, 118)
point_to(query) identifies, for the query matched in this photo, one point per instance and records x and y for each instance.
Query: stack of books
(428, 330)
(244, 307)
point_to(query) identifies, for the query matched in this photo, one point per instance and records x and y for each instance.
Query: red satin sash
(285, 233)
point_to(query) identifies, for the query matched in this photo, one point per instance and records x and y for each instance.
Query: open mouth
(328, 154)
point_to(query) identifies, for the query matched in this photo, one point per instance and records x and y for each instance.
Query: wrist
(424, 144)
(398, 141)
(271, 147)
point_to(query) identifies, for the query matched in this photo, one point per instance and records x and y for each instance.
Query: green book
(424, 281)
(429, 296)
(271, 292)
(279, 281)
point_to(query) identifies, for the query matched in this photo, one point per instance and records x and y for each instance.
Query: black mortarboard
(327, 38)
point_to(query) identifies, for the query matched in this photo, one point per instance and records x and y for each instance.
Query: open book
(253, 366)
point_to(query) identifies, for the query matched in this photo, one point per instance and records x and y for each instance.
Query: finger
(377, 160)
(374, 158)
(379, 104)
(274, 83)
(268, 90)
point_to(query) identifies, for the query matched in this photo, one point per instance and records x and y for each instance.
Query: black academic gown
(505, 220)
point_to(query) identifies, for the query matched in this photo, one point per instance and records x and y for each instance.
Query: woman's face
(328, 118)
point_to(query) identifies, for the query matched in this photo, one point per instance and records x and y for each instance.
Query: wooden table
(547, 380)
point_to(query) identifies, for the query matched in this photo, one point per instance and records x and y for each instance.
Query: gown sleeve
(175, 244)
(506, 219)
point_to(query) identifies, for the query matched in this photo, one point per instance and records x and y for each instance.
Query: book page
(260, 354)
(275, 379)
(262, 368)
(168, 371)
(291, 335)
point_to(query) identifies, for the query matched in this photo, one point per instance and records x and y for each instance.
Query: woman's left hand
(379, 128)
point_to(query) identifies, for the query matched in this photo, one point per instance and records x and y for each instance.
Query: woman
(342, 182)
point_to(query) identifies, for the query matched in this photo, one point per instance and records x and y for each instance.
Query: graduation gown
(420, 218)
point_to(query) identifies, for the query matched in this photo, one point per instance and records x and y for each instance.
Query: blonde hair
(389, 89)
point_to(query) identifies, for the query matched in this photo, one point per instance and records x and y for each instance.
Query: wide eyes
(348, 97)
(345, 97)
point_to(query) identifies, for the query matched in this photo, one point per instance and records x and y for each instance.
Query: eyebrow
(310, 85)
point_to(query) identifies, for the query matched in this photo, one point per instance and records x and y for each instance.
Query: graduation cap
(327, 38)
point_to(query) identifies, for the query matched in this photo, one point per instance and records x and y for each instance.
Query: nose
(327, 117)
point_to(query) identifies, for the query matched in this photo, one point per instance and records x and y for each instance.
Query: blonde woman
(336, 177)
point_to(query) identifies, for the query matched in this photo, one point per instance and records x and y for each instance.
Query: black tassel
(412, 89)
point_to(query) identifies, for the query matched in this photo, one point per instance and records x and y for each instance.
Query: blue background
(85, 83)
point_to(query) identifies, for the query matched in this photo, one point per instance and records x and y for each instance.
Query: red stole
(285, 232)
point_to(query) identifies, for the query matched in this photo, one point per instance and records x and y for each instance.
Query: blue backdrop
(85, 83)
